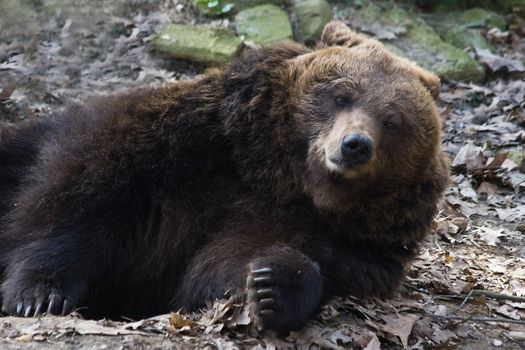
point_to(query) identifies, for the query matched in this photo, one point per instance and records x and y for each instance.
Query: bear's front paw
(34, 300)
(283, 293)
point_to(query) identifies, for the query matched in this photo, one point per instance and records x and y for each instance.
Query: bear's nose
(356, 149)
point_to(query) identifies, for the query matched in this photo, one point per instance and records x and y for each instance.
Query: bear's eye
(389, 125)
(341, 101)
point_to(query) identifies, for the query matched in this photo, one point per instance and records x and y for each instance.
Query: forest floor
(462, 292)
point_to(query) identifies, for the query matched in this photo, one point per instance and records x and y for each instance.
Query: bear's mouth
(336, 163)
(347, 167)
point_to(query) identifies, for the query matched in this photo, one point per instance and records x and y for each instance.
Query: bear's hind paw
(35, 301)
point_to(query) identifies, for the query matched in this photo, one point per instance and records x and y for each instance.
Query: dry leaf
(511, 214)
(399, 325)
(466, 190)
(497, 161)
(179, 321)
(441, 336)
(24, 338)
(338, 338)
(371, 342)
(497, 63)
(487, 187)
(469, 157)
(490, 236)
(516, 336)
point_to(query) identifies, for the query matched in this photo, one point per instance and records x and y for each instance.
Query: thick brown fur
(162, 198)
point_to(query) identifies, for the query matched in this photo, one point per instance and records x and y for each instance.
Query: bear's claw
(37, 301)
(263, 270)
(261, 295)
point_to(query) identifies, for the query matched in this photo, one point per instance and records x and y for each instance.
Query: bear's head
(349, 125)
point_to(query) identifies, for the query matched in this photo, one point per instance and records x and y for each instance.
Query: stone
(213, 46)
(264, 24)
(214, 7)
(422, 43)
(310, 18)
(244, 4)
(16, 14)
(478, 18)
(501, 6)
(225, 7)
(467, 38)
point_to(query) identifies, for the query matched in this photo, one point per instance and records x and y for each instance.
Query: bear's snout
(356, 149)
(350, 144)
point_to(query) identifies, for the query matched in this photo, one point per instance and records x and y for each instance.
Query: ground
(465, 291)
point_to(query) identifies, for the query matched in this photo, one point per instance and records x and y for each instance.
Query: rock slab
(422, 44)
(310, 18)
(212, 46)
(264, 24)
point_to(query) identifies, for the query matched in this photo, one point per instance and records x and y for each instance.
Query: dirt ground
(465, 291)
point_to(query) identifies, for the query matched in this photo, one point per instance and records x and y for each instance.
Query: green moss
(477, 18)
(214, 7)
(244, 4)
(517, 155)
(465, 38)
(197, 43)
(312, 16)
(227, 7)
(423, 45)
(264, 24)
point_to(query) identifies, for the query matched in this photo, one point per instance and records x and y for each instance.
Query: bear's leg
(367, 270)
(282, 286)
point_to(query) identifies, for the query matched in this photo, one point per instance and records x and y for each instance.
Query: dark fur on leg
(283, 286)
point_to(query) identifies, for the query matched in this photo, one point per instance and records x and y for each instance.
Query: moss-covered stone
(244, 4)
(501, 6)
(310, 18)
(423, 45)
(478, 18)
(467, 38)
(53, 7)
(226, 7)
(264, 24)
(517, 155)
(214, 7)
(203, 44)
(17, 14)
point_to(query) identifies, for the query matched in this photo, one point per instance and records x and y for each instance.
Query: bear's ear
(431, 82)
(428, 79)
(336, 33)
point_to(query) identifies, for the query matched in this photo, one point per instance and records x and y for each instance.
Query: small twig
(476, 319)
(477, 292)
(464, 302)
(497, 296)
(475, 244)
(437, 244)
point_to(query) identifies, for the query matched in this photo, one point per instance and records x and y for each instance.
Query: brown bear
(291, 176)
